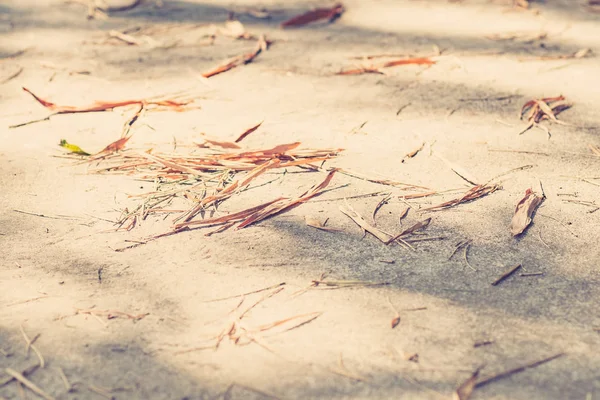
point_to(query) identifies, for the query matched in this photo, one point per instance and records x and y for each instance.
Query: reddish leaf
(115, 146)
(318, 14)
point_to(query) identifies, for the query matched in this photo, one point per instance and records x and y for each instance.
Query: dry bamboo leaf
(115, 146)
(330, 14)
(474, 193)
(105, 105)
(248, 131)
(360, 221)
(464, 391)
(416, 227)
(287, 204)
(359, 71)
(524, 211)
(409, 61)
(261, 45)
(376, 69)
(315, 223)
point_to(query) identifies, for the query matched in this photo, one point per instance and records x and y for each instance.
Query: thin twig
(509, 372)
(29, 344)
(506, 275)
(27, 383)
(245, 294)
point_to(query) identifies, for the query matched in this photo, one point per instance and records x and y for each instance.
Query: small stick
(532, 274)
(45, 216)
(379, 205)
(509, 372)
(100, 391)
(27, 383)
(506, 275)
(29, 344)
(27, 371)
(68, 385)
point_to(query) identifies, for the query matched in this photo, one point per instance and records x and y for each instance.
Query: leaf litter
(524, 212)
(538, 110)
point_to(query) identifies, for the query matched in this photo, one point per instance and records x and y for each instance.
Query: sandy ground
(465, 108)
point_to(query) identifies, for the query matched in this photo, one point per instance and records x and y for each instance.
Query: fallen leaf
(524, 211)
(464, 391)
(376, 69)
(395, 322)
(105, 105)
(360, 221)
(413, 153)
(261, 45)
(409, 61)
(330, 14)
(248, 131)
(115, 146)
(73, 148)
(474, 193)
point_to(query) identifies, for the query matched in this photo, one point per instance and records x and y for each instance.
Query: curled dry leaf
(395, 321)
(319, 14)
(524, 211)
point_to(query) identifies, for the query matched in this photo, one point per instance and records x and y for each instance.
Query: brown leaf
(523, 212)
(318, 14)
(104, 105)
(464, 391)
(376, 69)
(248, 131)
(416, 227)
(115, 146)
(359, 71)
(474, 193)
(395, 321)
(261, 45)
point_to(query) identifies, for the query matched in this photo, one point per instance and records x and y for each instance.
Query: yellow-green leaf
(73, 148)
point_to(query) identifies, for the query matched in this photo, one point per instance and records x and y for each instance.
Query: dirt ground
(464, 108)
